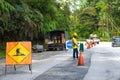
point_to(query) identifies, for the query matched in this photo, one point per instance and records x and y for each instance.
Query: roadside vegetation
(23, 20)
(2, 54)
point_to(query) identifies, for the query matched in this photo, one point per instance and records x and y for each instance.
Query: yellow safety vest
(74, 43)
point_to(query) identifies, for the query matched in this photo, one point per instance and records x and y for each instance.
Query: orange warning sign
(18, 53)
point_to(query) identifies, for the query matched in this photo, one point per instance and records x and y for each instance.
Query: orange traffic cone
(88, 45)
(94, 44)
(81, 59)
(91, 44)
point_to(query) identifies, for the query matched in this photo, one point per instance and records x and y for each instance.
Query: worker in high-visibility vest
(75, 46)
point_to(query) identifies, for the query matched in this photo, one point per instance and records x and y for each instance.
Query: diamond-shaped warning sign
(18, 53)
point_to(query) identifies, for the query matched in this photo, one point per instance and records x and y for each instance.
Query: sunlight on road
(105, 63)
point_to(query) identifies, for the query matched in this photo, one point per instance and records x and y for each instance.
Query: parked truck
(55, 40)
(93, 38)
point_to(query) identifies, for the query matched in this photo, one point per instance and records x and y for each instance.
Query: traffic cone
(80, 59)
(94, 44)
(91, 44)
(88, 45)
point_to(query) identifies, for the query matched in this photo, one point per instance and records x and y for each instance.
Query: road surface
(102, 62)
(105, 63)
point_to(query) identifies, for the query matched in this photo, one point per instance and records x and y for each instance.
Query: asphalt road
(50, 65)
(105, 63)
(68, 69)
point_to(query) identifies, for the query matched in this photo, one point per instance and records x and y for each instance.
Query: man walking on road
(75, 46)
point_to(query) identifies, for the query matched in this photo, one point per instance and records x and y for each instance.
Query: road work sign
(69, 44)
(18, 53)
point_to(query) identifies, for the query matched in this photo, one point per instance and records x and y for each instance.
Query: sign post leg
(30, 68)
(15, 67)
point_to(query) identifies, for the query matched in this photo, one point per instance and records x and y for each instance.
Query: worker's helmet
(75, 34)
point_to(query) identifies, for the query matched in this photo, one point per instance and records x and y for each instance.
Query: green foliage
(2, 54)
(87, 21)
(90, 11)
(30, 19)
(101, 6)
(5, 6)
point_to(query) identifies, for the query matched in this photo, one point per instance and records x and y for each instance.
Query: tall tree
(5, 10)
(88, 21)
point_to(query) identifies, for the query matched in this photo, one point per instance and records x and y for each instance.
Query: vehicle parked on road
(37, 48)
(116, 41)
(93, 39)
(56, 40)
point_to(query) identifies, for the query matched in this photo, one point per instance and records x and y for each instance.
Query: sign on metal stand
(18, 53)
(68, 44)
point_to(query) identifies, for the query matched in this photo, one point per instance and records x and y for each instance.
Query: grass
(2, 54)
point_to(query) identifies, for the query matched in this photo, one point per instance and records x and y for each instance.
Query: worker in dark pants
(75, 46)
